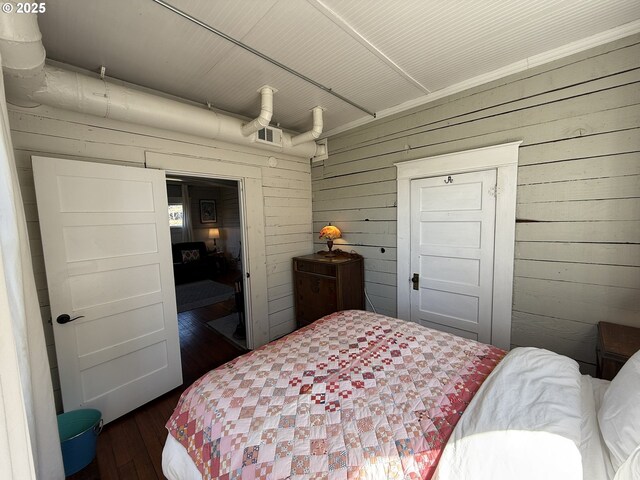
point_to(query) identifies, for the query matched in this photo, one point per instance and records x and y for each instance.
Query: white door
(105, 233)
(452, 249)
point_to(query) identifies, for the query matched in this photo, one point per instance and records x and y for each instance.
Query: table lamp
(330, 232)
(214, 233)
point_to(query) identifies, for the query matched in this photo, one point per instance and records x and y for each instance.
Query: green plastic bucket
(79, 430)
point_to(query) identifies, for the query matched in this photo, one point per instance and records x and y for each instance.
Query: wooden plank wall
(577, 257)
(287, 191)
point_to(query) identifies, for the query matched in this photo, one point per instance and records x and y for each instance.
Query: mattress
(354, 395)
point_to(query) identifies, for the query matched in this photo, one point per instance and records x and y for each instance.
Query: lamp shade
(330, 232)
(214, 233)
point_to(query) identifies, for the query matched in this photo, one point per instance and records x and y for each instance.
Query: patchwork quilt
(354, 395)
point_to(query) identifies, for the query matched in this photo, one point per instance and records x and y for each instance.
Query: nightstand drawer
(317, 268)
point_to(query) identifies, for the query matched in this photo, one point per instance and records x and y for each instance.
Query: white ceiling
(383, 55)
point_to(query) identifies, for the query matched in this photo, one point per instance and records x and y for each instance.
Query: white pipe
(29, 82)
(81, 93)
(22, 54)
(266, 112)
(315, 131)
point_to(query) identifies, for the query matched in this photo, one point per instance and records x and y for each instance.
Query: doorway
(251, 204)
(207, 226)
(503, 159)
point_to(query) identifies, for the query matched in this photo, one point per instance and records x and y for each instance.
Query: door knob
(416, 281)
(65, 318)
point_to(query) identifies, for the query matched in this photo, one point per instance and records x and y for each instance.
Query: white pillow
(619, 415)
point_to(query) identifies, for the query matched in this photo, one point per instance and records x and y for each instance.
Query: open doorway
(206, 224)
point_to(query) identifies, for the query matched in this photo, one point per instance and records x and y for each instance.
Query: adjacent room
(206, 242)
(320, 239)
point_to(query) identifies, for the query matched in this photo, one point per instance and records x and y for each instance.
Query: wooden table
(616, 343)
(218, 261)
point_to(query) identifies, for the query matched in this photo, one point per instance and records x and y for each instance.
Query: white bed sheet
(596, 464)
(523, 423)
(176, 462)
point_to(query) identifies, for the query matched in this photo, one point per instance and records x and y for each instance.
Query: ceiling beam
(347, 28)
(259, 54)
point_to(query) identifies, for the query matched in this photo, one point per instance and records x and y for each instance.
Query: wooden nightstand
(616, 343)
(324, 285)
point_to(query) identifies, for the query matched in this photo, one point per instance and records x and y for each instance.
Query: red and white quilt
(354, 395)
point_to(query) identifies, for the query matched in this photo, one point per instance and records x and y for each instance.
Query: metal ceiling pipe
(315, 131)
(259, 54)
(266, 112)
(29, 82)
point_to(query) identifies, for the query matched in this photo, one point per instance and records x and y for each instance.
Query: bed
(361, 395)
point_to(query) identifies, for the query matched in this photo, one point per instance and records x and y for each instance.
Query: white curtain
(29, 441)
(187, 224)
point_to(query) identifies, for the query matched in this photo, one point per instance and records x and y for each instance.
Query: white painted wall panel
(578, 232)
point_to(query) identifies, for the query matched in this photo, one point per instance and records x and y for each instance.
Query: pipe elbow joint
(316, 132)
(264, 119)
(316, 129)
(266, 112)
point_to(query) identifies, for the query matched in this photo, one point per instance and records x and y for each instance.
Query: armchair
(191, 263)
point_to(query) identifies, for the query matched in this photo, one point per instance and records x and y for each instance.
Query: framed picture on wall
(208, 211)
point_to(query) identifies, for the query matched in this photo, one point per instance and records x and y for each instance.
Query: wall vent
(270, 136)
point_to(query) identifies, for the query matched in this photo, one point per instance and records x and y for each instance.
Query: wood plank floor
(131, 447)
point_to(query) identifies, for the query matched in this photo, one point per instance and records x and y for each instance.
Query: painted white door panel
(91, 242)
(436, 230)
(439, 198)
(107, 255)
(463, 271)
(452, 251)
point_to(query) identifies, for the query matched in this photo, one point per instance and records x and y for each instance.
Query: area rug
(200, 294)
(225, 326)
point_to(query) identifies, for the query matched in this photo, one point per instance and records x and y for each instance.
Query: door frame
(252, 229)
(503, 158)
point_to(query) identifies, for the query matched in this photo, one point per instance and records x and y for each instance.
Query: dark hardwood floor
(131, 447)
